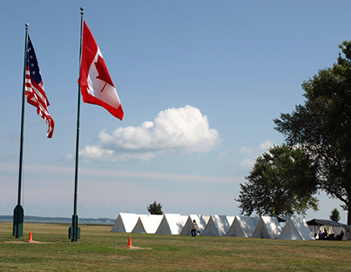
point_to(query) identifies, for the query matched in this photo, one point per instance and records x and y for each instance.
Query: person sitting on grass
(340, 236)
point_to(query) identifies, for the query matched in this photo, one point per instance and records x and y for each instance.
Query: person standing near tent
(194, 229)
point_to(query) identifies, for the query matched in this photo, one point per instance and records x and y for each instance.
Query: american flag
(34, 89)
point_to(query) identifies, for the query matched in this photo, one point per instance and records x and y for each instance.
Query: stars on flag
(34, 89)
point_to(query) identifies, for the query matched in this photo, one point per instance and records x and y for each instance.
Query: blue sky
(199, 81)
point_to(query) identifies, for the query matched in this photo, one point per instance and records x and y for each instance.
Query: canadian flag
(95, 82)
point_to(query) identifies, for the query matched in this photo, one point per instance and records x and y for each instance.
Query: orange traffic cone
(129, 242)
(30, 237)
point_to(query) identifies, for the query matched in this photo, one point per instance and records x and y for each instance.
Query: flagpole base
(74, 230)
(18, 218)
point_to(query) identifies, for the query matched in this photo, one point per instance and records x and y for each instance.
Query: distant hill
(39, 219)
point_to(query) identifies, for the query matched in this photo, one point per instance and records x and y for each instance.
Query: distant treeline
(30, 218)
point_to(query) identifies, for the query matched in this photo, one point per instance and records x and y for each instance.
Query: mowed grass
(99, 249)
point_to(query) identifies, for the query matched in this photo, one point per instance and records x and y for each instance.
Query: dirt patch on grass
(133, 248)
(27, 242)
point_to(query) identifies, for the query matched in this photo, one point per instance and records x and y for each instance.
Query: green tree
(322, 126)
(155, 208)
(281, 182)
(335, 215)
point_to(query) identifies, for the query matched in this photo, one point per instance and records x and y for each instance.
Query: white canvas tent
(147, 223)
(296, 229)
(171, 224)
(125, 222)
(243, 226)
(200, 222)
(267, 227)
(206, 218)
(230, 220)
(217, 225)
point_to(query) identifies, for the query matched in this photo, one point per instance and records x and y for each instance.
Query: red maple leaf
(103, 72)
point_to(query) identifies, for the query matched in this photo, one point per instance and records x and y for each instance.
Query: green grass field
(101, 250)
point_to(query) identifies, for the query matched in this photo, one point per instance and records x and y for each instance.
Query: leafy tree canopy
(281, 182)
(322, 126)
(155, 208)
(335, 215)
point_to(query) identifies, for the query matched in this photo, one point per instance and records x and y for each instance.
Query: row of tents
(293, 228)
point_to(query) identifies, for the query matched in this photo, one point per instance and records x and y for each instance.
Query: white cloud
(54, 172)
(181, 130)
(245, 150)
(95, 152)
(266, 145)
(248, 163)
(222, 155)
